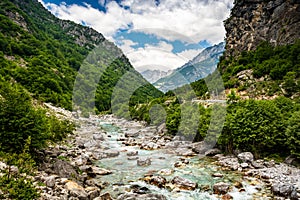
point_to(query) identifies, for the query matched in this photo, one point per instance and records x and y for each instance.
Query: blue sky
(155, 34)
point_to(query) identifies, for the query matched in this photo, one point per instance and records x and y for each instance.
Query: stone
(132, 153)
(212, 152)
(100, 171)
(227, 197)
(244, 165)
(179, 164)
(183, 183)
(98, 136)
(185, 152)
(132, 133)
(91, 143)
(282, 189)
(111, 153)
(93, 192)
(139, 190)
(221, 188)
(144, 161)
(3, 166)
(64, 169)
(149, 146)
(219, 175)
(105, 196)
(158, 181)
(50, 181)
(166, 172)
(198, 147)
(246, 156)
(258, 164)
(132, 158)
(76, 190)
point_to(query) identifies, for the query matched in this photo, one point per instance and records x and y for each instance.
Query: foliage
(20, 120)
(17, 184)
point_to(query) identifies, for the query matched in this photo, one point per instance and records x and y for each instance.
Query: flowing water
(126, 172)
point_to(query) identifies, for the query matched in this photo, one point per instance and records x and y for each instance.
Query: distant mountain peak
(197, 68)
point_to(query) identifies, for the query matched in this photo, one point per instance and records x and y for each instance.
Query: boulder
(183, 183)
(246, 156)
(105, 196)
(166, 172)
(64, 169)
(185, 152)
(91, 143)
(50, 181)
(132, 153)
(139, 189)
(76, 190)
(111, 153)
(212, 152)
(144, 162)
(98, 136)
(158, 181)
(282, 189)
(100, 171)
(221, 188)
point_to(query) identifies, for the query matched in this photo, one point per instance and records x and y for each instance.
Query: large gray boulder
(246, 156)
(183, 183)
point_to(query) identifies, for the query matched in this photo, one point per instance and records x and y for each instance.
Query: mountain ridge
(197, 68)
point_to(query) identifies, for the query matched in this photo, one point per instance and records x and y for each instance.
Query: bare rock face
(254, 21)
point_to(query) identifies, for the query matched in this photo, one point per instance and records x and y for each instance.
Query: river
(127, 174)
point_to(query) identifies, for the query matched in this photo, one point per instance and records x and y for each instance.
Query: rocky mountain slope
(43, 54)
(154, 75)
(199, 67)
(254, 21)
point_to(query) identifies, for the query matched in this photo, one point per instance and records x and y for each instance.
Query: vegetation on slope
(264, 127)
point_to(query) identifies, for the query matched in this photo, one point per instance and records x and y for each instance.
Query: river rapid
(109, 158)
(200, 169)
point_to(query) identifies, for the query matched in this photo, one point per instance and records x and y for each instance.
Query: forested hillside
(43, 53)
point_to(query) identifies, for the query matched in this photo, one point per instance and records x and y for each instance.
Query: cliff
(254, 21)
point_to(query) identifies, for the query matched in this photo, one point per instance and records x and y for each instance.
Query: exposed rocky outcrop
(254, 21)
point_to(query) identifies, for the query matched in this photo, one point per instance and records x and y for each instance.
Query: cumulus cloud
(195, 19)
(188, 21)
(159, 56)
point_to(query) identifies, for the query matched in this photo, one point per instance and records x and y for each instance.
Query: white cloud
(188, 21)
(189, 54)
(158, 56)
(194, 19)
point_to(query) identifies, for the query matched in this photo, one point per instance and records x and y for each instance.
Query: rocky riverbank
(70, 169)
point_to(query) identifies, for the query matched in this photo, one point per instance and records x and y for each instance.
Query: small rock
(227, 197)
(246, 156)
(50, 181)
(139, 190)
(144, 162)
(221, 188)
(158, 181)
(166, 172)
(244, 165)
(219, 175)
(76, 190)
(183, 183)
(132, 153)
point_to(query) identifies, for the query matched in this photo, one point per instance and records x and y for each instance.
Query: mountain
(43, 54)
(154, 75)
(252, 22)
(197, 68)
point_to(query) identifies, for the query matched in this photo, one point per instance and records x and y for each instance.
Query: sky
(153, 34)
